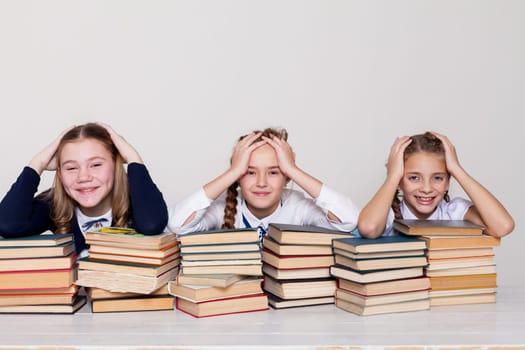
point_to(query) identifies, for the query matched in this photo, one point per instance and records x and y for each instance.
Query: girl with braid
(252, 193)
(421, 166)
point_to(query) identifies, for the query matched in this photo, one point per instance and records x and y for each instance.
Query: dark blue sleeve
(149, 213)
(21, 213)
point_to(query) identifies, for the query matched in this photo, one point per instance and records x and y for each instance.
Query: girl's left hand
(128, 153)
(285, 154)
(451, 157)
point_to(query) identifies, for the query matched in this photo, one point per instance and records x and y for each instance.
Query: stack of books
(461, 264)
(221, 273)
(129, 271)
(296, 265)
(383, 275)
(37, 275)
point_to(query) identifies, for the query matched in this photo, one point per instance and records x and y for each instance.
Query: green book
(37, 240)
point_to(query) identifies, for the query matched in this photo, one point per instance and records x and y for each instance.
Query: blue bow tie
(96, 223)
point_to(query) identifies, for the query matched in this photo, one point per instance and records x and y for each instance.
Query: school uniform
(455, 209)
(294, 208)
(23, 214)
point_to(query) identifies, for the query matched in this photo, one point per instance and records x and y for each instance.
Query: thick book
(220, 248)
(296, 261)
(303, 234)
(36, 252)
(405, 306)
(46, 309)
(438, 227)
(248, 270)
(126, 267)
(459, 253)
(99, 293)
(296, 249)
(386, 287)
(460, 271)
(43, 263)
(137, 303)
(449, 263)
(196, 263)
(381, 263)
(34, 279)
(42, 240)
(379, 255)
(463, 282)
(364, 300)
(246, 303)
(486, 298)
(460, 292)
(211, 280)
(247, 235)
(135, 259)
(128, 238)
(197, 293)
(375, 275)
(124, 282)
(132, 254)
(278, 303)
(456, 242)
(221, 256)
(299, 289)
(381, 244)
(294, 274)
(36, 299)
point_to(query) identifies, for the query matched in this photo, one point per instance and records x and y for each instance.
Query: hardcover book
(300, 289)
(137, 303)
(438, 227)
(386, 287)
(212, 280)
(363, 300)
(278, 303)
(247, 303)
(295, 249)
(46, 309)
(381, 263)
(34, 279)
(36, 252)
(303, 234)
(126, 267)
(296, 261)
(42, 240)
(43, 263)
(463, 282)
(405, 306)
(460, 242)
(381, 244)
(375, 275)
(128, 238)
(223, 236)
(291, 274)
(197, 293)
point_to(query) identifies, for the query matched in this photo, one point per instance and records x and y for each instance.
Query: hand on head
(451, 157)
(242, 151)
(395, 163)
(46, 158)
(128, 153)
(285, 154)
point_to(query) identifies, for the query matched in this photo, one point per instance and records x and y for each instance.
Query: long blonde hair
(230, 209)
(63, 205)
(426, 142)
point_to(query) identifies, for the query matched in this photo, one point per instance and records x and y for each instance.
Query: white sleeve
(181, 211)
(340, 205)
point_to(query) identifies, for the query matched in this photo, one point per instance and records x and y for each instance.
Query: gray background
(181, 80)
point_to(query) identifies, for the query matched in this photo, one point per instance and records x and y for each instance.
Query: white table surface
(483, 326)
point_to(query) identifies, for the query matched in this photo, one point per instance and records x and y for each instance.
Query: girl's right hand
(46, 158)
(395, 163)
(242, 152)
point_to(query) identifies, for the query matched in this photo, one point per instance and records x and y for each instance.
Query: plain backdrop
(182, 80)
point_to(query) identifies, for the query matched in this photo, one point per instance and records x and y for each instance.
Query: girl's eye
(96, 165)
(250, 172)
(438, 178)
(71, 168)
(274, 172)
(413, 178)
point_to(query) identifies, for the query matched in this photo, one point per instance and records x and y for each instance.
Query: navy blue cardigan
(23, 214)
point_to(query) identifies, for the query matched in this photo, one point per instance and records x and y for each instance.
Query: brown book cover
(196, 293)
(457, 242)
(46, 309)
(296, 261)
(137, 303)
(385, 287)
(296, 249)
(299, 289)
(303, 234)
(462, 282)
(34, 279)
